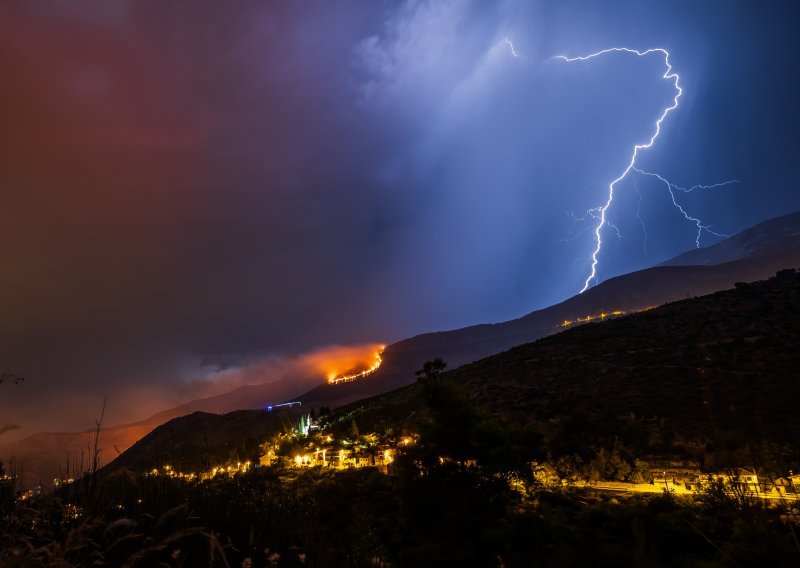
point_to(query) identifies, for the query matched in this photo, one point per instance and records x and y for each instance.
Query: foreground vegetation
(437, 515)
(465, 495)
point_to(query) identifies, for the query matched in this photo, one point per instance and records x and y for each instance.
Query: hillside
(753, 254)
(202, 440)
(45, 456)
(715, 378)
(645, 288)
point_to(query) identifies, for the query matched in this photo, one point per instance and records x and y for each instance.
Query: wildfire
(601, 316)
(355, 374)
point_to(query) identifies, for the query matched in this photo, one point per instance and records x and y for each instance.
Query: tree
(7, 377)
(7, 487)
(431, 369)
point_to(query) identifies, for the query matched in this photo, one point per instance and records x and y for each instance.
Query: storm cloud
(197, 185)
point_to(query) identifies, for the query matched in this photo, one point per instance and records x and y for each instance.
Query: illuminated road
(652, 488)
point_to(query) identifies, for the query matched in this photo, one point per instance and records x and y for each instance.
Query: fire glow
(335, 378)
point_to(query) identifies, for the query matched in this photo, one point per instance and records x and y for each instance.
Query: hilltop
(772, 237)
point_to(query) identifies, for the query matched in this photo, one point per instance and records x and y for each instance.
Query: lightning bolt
(511, 46)
(639, 216)
(668, 75)
(671, 187)
(600, 212)
(589, 213)
(616, 229)
(694, 187)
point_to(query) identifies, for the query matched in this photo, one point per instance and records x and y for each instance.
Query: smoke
(209, 385)
(303, 371)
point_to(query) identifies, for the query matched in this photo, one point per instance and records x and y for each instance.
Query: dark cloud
(194, 183)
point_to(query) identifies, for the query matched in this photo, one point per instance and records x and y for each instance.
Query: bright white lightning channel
(671, 187)
(600, 212)
(511, 46)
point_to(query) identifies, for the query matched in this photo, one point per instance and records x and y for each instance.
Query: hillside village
(308, 445)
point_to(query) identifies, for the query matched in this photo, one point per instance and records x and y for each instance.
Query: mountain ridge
(685, 379)
(774, 241)
(688, 378)
(783, 231)
(630, 292)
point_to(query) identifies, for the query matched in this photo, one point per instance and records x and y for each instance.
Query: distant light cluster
(601, 316)
(271, 407)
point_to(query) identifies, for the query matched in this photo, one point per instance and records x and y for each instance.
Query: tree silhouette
(7, 377)
(431, 369)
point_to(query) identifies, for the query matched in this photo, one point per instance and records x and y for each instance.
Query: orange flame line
(336, 379)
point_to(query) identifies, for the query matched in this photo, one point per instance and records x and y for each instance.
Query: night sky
(196, 194)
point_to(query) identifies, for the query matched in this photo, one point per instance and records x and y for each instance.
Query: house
(667, 480)
(780, 488)
(742, 478)
(685, 468)
(384, 458)
(339, 459)
(747, 478)
(323, 456)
